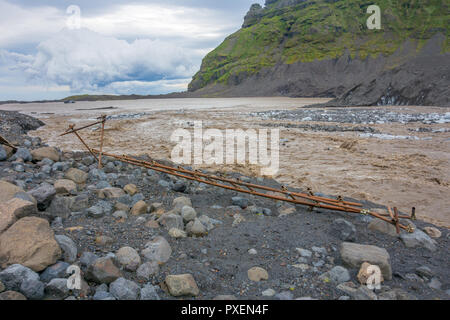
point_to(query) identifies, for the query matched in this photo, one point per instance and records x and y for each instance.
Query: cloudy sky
(115, 47)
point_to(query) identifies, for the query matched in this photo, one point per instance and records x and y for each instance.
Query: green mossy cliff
(288, 32)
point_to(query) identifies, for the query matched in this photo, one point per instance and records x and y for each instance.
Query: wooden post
(396, 220)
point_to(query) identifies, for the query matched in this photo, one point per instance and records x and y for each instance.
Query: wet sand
(401, 172)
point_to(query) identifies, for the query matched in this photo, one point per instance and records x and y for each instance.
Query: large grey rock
(354, 255)
(88, 160)
(123, 289)
(60, 207)
(240, 202)
(13, 276)
(58, 270)
(343, 230)
(97, 175)
(103, 270)
(44, 195)
(208, 222)
(128, 258)
(22, 153)
(33, 289)
(57, 288)
(103, 185)
(136, 198)
(100, 209)
(188, 214)
(170, 221)
(45, 153)
(88, 258)
(180, 202)
(418, 239)
(68, 247)
(76, 175)
(60, 166)
(80, 202)
(336, 275)
(383, 227)
(149, 292)
(111, 193)
(196, 228)
(147, 270)
(65, 186)
(182, 285)
(120, 215)
(179, 186)
(158, 250)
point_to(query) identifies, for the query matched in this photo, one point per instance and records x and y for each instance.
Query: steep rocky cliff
(324, 48)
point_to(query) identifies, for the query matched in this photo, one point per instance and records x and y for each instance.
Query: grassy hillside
(321, 29)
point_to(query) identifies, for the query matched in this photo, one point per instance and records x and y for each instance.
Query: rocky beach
(138, 234)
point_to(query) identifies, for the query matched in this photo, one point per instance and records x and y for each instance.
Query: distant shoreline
(105, 97)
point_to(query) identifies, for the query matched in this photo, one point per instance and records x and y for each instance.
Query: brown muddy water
(406, 173)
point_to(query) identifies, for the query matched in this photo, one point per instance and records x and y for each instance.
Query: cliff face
(323, 48)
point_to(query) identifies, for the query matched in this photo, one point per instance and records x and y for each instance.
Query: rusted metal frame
(336, 205)
(400, 216)
(330, 207)
(197, 173)
(301, 195)
(300, 202)
(148, 166)
(248, 185)
(397, 220)
(75, 132)
(312, 195)
(7, 143)
(413, 213)
(79, 129)
(314, 198)
(234, 183)
(153, 164)
(87, 147)
(163, 170)
(101, 141)
(390, 213)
